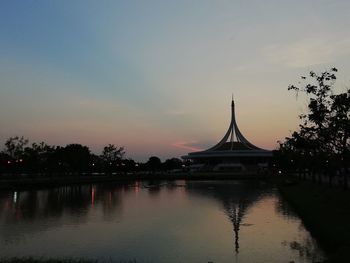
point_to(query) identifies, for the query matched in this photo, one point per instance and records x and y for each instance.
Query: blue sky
(157, 76)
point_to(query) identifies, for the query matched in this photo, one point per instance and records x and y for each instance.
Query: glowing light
(137, 187)
(15, 197)
(92, 196)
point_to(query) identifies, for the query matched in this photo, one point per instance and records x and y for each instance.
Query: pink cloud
(186, 145)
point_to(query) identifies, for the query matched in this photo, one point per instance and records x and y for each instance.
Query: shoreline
(325, 212)
(36, 182)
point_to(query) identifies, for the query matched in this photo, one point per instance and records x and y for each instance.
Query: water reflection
(235, 197)
(44, 209)
(285, 209)
(142, 220)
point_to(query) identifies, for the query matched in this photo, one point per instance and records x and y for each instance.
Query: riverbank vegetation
(19, 157)
(315, 157)
(321, 146)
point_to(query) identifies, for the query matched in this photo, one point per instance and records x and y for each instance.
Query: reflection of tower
(235, 197)
(235, 211)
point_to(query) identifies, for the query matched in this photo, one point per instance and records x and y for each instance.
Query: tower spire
(233, 133)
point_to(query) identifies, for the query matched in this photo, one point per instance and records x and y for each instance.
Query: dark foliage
(321, 145)
(21, 158)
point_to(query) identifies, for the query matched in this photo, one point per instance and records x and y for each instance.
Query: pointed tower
(232, 152)
(233, 138)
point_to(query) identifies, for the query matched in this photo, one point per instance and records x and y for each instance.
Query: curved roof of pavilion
(233, 144)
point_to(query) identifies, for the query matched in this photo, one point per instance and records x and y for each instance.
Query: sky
(157, 76)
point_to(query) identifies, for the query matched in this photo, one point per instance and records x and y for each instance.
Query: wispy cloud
(307, 52)
(186, 145)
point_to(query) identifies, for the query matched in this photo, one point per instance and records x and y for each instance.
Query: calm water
(182, 221)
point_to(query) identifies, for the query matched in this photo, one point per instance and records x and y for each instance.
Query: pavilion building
(233, 153)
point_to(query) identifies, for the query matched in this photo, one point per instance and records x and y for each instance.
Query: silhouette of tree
(4, 159)
(45, 160)
(97, 164)
(340, 130)
(172, 163)
(56, 162)
(111, 153)
(111, 156)
(76, 156)
(36, 157)
(128, 165)
(14, 146)
(154, 163)
(14, 151)
(323, 138)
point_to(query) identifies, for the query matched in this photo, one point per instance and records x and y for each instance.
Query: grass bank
(325, 212)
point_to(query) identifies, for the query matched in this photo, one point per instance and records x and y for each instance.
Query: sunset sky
(157, 76)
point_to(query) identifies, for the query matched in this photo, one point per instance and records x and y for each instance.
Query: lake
(156, 221)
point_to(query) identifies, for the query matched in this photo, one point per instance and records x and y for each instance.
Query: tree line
(320, 148)
(20, 157)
